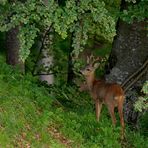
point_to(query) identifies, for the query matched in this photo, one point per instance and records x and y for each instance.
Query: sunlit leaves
(64, 18)
(83, 18)
(87, 17)
(26, 37)
(142, 103)
(93, 19)
(30, 17)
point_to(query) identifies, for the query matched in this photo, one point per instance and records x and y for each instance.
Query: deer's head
(92, 65)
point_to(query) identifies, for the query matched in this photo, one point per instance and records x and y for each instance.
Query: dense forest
(61, 60)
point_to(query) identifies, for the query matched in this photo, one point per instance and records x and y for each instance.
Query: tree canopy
(85, 17)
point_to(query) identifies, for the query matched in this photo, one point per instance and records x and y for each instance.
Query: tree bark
(129, 52)
(70, 75)
(45, 59)
(12, 46)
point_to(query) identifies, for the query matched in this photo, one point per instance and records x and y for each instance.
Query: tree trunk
(71, 75)
(12, 46)
(129, 51)
(45, 61)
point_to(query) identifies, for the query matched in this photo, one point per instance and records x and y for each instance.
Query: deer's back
(107, 91)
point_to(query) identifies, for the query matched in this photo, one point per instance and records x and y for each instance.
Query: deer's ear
(96, 65)
(87, 61)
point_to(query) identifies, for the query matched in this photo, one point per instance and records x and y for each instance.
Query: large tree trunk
(129, 51)
(12, 46)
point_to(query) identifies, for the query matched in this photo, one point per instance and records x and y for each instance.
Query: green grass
(39, 117)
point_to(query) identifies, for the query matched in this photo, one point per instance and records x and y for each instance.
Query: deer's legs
(112, 114)
(120, 111)
(98, 106)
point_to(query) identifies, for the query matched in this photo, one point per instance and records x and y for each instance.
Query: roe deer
(110, 94)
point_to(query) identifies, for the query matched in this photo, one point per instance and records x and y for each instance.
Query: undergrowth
(32, 115)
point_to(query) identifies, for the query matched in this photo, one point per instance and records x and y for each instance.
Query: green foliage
(142, 103)
(27, 36)
(141, 106)
(135, 140)
(31, 116)
(82, 18)
(28, 110)
(93, 19)
(3, 2)
(30, 17)
(137, 10)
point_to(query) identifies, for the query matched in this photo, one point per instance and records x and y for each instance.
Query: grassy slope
(29, 116)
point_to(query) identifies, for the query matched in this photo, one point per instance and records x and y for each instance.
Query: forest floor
(33, 116)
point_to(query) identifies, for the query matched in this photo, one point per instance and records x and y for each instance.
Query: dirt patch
(60, 137)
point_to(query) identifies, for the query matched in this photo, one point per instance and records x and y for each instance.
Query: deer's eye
(88, 69)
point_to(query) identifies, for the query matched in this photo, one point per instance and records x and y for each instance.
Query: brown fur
(110, 94)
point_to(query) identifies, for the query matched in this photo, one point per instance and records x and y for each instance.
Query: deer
(102, 92)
